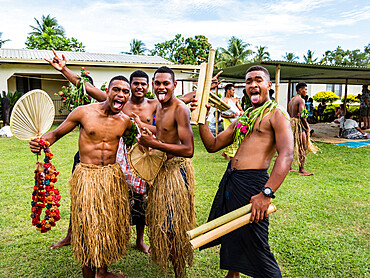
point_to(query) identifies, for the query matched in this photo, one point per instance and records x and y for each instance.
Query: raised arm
(214, 144)
(284, 146)
(60, 65)
(67, 126)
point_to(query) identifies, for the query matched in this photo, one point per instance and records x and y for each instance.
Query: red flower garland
(44, 193)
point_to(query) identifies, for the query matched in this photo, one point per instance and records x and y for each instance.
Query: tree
(46, 22)
(235, 54)
(290, 57)
(194, 52)
(168, 49)
(340, 57)
(184, 51)
(137, 47)
(309, 58)
(261, 54)
(2, 41)
(51, 37)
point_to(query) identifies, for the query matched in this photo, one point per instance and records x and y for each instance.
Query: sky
(281, 25)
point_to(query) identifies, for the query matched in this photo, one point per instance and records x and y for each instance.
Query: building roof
(34, 55)
(311, 73)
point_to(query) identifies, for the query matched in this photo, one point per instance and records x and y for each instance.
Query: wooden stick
(225, 229)
(198, 95)
(219, 221)
(207, 86)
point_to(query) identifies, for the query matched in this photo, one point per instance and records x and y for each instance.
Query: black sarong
(246, 249)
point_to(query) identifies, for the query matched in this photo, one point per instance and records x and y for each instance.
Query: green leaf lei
(304, 113)
(130, 139)
(246, 122)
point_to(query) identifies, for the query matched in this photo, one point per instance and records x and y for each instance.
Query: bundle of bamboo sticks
(222, 226)
(204, 94)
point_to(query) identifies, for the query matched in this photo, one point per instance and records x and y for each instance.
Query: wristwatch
(267, 191)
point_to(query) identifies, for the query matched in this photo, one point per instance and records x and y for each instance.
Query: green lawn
(321, 227)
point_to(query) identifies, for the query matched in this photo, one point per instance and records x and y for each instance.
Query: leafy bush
(329, 112)
(326, 96)
(352, 98)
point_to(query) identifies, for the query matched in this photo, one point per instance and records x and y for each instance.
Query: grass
(321, 227)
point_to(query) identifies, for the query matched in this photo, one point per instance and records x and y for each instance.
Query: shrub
(352, 98)
(325, 95)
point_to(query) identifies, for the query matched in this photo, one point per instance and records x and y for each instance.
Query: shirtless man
(246, 180)
(170, 207)
(143, 107)
(301, 140)
(101, 127)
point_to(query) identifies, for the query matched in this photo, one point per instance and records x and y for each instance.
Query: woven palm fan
(146, 165)
(32, 115)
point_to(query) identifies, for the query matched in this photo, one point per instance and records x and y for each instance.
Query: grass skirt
(100, 214)
(230, 150)
(171, 212)
(299, 148)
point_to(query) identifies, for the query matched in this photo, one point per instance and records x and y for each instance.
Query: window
(335, 88)
(26, 84)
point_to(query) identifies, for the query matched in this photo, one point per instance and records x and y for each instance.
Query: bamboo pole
(207, 86)
(198, 95)
(216, 116)
(219, 221)
(225, 229)
(277, 83)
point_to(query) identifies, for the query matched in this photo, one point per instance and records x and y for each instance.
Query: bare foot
(305, 173)
(292, 170)
(64, 242)
(142, 247)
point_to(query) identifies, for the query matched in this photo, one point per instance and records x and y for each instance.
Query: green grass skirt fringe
(100, 214)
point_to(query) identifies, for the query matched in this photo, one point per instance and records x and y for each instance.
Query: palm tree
(137, 47)
(46, 22)
(2, 41)
(290, 57)
(309, 58)
(261, 54)
(235, 54)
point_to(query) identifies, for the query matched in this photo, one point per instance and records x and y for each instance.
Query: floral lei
(44, 193)
(246, 122)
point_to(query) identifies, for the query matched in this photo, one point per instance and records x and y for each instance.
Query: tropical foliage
(2, 41)
(326, 96)
(137, 47)
(290, 57)
(308, 59)
(261, 54)
(183, 51)
(74, 96)
(47, 34)
(352, 98)
(340, 57)
(235, 54)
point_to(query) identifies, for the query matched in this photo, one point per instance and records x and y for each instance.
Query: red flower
(83, 68)
(47, 165)
(42, 143)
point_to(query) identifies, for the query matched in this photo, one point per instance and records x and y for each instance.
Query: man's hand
(215, 81)
(260, 204)
(146, 137)
(137, 120)
(34, 146)
(57, 63)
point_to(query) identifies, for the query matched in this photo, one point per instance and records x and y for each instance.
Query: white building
(25, 69)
